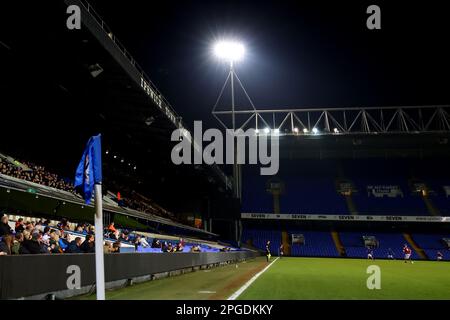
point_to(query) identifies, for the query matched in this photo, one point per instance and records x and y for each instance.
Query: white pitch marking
(235, 295)
(205, 291)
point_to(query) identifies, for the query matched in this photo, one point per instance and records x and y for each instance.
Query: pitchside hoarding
(272, 216)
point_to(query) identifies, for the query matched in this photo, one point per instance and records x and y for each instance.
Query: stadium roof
(97, 87)
(65, 204)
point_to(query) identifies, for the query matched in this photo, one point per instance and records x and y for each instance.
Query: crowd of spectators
(33, 173)
(39, 174)
(40, 237)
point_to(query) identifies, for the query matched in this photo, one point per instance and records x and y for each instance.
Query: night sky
(298, 55)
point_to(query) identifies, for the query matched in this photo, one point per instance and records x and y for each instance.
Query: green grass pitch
(301, 278)
(321, 278)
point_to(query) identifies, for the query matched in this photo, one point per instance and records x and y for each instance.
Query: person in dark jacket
(88, 245)
(75, 246)
(35, 245)
(4, 226)
(19, 225)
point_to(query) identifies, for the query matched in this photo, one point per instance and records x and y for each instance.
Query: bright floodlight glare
(315, 130)
(229, 50)
(277, 131)
(256, 131)
(266, 130)
(305, 130)
(295, 129)
(336, 130)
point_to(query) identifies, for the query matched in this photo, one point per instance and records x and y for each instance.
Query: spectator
(111, 227)
(19, 225)
(156, 243)
(75, 246)
(29, 227)
(5, 229)
(124, 237)
(88, 245)
(116, 247)
(115, 235)
(63, 225)
(63, 241)
(179, 247)
(143, 242)
(6, 245)
(18, 240)
(137, 241)
(35, 244)
(46, 236)
(108, 247)
(54, 242)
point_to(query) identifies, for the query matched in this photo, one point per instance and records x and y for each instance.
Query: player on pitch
(407, 252)
(268, 255)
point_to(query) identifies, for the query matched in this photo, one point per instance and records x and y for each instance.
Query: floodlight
(295, 130)
(315, 130)
(305, 130)
(277, 131)
(266, 130)
(229, 50)
(256, 131)
(336, 130)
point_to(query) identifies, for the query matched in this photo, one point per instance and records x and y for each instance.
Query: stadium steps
(351, 205)
(285, 241)
(432, 210)
(338, 243)
(415, 246)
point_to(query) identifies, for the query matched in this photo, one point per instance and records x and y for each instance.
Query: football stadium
(347, 202)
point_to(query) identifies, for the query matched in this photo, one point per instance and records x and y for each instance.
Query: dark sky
(298, 55)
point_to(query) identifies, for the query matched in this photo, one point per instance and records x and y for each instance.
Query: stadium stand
(321, 244)
(432, 244)
(309, 182)
(259, 237)
(317, 244)
(355, 247)
(39, 174)
(51, 236)
(381, 187)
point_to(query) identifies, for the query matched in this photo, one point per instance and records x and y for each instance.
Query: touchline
(213, 152)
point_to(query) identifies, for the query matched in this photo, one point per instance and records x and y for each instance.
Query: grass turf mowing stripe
(235, 295)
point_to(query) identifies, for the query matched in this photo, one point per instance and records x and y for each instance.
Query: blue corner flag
(89, 170)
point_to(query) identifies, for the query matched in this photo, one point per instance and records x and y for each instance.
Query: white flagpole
(99, 264)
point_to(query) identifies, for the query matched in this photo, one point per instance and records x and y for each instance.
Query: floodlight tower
(231, 52)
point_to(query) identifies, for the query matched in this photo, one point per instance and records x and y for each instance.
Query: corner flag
(89, 176)
(89, 170)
